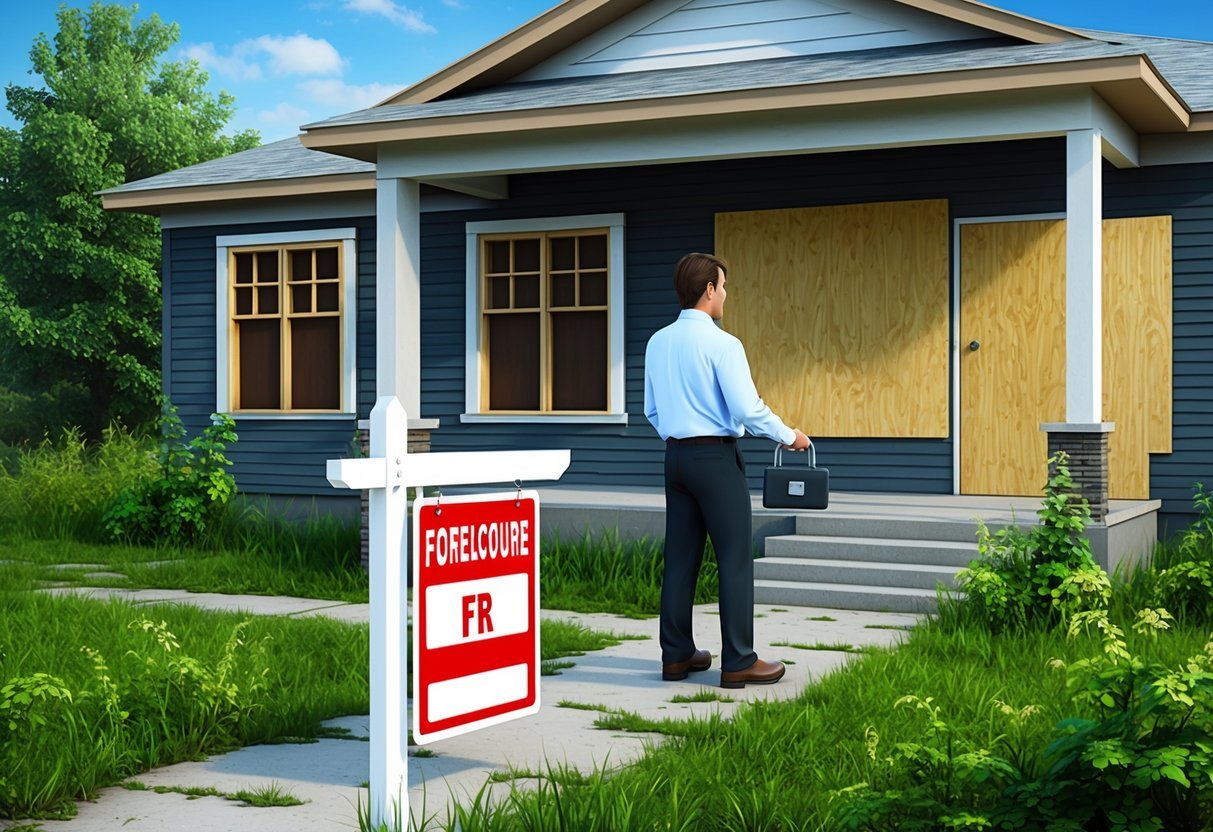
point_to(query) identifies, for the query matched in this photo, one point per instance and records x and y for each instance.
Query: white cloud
(232, 66)
(300, 55)
(285, 114)
(333, 92)
(400, 15)
(249, 59)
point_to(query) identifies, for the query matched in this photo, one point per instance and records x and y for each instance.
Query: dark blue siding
(272, 456)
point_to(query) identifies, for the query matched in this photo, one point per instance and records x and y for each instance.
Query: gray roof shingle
(286, 159)
(1180, 58)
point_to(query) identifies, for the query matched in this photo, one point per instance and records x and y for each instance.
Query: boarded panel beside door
(843, 311)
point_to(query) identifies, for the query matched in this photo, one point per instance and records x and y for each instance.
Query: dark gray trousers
(706, 494)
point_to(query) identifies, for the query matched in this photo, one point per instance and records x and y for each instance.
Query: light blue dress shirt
(697, 383)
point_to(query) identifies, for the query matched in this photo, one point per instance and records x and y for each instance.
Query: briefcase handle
(812, 455)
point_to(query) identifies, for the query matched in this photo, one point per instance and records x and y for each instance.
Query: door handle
(974, 346)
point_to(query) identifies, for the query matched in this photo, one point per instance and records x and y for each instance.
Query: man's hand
(800, 443)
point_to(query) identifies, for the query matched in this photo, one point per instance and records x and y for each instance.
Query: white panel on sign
(467, 611)
(467, 694)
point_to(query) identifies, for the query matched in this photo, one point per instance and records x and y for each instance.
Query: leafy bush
(1044, 575)
(1141, 761)
(61, 489)
(1185, 587)
(188, 494)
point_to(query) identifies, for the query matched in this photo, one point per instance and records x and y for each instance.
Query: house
(958, 238)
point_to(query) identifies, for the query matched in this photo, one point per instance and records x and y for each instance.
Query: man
(699, 395)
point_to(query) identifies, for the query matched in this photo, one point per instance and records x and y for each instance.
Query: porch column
(1084, 434)
(398, 292)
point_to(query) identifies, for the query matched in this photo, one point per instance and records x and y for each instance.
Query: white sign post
(388, 473)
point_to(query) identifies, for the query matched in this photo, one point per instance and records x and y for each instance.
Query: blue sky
(289, 62)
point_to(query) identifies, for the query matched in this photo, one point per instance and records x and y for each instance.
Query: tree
(80, 286)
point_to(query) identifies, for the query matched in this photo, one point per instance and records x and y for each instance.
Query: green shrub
(61, 489)
(28, 417)
(189, 492)
(1185, 585)
(1045, 575)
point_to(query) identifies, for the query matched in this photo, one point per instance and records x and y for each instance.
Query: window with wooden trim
(286, 327)
(545, 322)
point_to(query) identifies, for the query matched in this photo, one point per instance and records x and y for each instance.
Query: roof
(1186, 64)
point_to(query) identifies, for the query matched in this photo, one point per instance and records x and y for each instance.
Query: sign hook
(518, 494)
(438, 505)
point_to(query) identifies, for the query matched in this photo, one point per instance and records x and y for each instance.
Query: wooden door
(1012, 309)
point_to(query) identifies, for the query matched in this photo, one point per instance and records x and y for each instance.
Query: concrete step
(867, 573)
(883, 550)
(844, 596)
(895, 528)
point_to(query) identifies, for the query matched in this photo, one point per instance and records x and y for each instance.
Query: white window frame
(473, 365)
(349, 315)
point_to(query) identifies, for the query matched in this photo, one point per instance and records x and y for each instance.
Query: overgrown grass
(775, 764)
(155, 685)
(602, 574)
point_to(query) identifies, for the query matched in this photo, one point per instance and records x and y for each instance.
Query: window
(286, 318)
(546, 341)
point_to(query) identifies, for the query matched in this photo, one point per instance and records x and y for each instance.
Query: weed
(821, 618)
(266, 796)
(835, 647)
(704, 695)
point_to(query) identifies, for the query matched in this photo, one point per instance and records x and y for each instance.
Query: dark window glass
(301, 265)
(301, 298)
(526, 255)
(267, 267)
(579, 361)
(244, 267)
(316, 363)
(327, 297)
(564, 254)
(499, 256)
(593, 289)
(513, 362)
(564, 288)
(267, 300)
(593, 254)
(326, 264)
(499, 293)
(244, 301)
(260, 345)
(526, 292)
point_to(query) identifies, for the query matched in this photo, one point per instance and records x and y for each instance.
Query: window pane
(326, 264)
(267, 300)
(563, 290)
(267, 267)
(259, 343)
(564, 254)
(526, 292)
(499, 293)
(526, 255)
(244, 301)
(594, 289)
(593, 252)
(301, 298)
(499, 256)
(316, 364)
(327, 297)
(513, 362)
(244, 267)
(579, 361)
(301, 265)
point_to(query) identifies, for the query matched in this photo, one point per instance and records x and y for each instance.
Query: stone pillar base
(418, 443)
(1087, 447)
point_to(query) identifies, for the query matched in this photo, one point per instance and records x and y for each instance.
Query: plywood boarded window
(544, 305)
(844, 314)
(286, 327)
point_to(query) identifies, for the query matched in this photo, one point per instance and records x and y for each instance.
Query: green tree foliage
(79, 286)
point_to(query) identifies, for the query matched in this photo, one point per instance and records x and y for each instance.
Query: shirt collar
(695, 315)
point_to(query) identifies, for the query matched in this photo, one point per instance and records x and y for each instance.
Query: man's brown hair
(693, 274)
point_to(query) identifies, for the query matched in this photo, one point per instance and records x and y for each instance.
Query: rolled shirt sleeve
(742, 399)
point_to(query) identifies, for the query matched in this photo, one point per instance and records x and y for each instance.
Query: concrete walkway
(327, 774)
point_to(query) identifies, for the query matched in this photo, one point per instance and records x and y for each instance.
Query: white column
(1084, 277)
(398, 292)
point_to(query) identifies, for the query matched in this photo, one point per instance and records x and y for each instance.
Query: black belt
(703, 440)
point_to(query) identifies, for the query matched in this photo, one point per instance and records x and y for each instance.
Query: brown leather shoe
(759, 673)
(677, 671)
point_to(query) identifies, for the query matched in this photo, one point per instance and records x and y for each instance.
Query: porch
(867, 551)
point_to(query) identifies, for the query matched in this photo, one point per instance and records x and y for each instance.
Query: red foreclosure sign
(475, 612)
